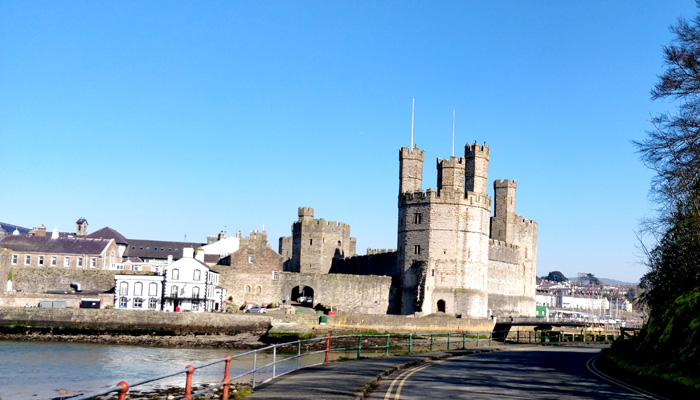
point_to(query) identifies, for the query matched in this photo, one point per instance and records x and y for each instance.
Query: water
(38, 370)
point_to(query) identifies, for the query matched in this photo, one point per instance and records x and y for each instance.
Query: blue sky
(166, 119)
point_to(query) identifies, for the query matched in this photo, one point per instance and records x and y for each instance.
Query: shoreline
(243, 341)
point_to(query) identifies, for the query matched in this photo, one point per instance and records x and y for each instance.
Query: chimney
(187, 252)
(199, 256)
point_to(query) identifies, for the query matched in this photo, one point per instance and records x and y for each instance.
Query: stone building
(315, 243)
(453, 256)
(252, 273)
(59, 252)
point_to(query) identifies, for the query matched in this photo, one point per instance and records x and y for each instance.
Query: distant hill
(607, 281)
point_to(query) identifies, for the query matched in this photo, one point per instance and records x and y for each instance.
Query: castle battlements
(477, 150)
(453, 162)
(416, 153)
(502, 244)
(445, 196)
(526, 222)
(371, 252)
(505, 183)
(323, 225)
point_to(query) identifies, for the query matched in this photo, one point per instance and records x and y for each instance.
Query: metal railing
(358, 346)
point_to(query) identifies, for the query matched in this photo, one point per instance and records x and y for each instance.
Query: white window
(173, 291)
(122, 302)
(195, 292)
(138, 289)
(41, 260)
(14, 259)
(80, 262)
(124, 288)
(258, 289)
(176, 274)
(27, 260)
(152, 289)
(195, 305)
(152, 302)
(54, 260)
(93, 262)
(66, 261)
(251, 259)
(197, 275)
(247, 288)
(138, 302)
(275, 275)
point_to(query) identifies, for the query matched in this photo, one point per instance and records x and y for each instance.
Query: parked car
(256, 310)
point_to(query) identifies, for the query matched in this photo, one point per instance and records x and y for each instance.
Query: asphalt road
(527, 373)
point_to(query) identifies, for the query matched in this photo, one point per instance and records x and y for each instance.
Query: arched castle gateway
(452, 254)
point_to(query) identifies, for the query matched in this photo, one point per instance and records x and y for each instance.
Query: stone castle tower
(315, 243)
(449, 260)
(81, 227)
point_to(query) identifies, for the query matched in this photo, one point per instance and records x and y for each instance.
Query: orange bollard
(188, 383)
(125, 388)
(328, 347)
(227, 380)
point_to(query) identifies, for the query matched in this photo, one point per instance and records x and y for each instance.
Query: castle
(452, 256)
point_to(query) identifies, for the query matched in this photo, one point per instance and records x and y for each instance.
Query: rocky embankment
(248, 340)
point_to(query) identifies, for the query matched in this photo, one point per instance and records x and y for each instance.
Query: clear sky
(165, 119)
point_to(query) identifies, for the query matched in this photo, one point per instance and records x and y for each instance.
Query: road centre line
(590, 364)
(402, 378)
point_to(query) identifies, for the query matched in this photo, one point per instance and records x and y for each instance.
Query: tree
(590, 278)
(556, 276)
(672, 150)
(631, 294)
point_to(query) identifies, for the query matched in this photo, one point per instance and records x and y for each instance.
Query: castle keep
(453, 256)
(315, 243)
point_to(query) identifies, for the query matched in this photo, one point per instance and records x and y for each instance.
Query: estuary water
(41, 370)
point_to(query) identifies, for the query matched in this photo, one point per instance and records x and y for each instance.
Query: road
(526, 373)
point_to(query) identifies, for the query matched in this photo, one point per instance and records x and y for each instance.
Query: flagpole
(413, 111)
(453, 132)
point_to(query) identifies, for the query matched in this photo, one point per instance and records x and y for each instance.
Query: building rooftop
(45, 244)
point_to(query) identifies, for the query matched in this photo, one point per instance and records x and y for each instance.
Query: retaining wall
(130, 322)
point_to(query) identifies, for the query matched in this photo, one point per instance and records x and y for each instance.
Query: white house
(185, 285)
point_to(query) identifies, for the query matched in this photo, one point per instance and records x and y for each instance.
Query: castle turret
(503, 223)
(315, 243)
(411, 170)
(306, 213)
(477, 167)
(81, 227)
(450, 174)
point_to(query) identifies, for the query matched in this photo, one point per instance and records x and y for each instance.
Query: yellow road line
(590, 364)
(393, 382)
(402, 379)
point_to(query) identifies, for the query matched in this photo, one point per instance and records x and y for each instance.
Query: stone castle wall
(43, 279)
(316, 242)
(374, 263)
(365, 294)
(136, 321)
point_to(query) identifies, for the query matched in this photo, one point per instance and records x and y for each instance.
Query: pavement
(346, 379)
